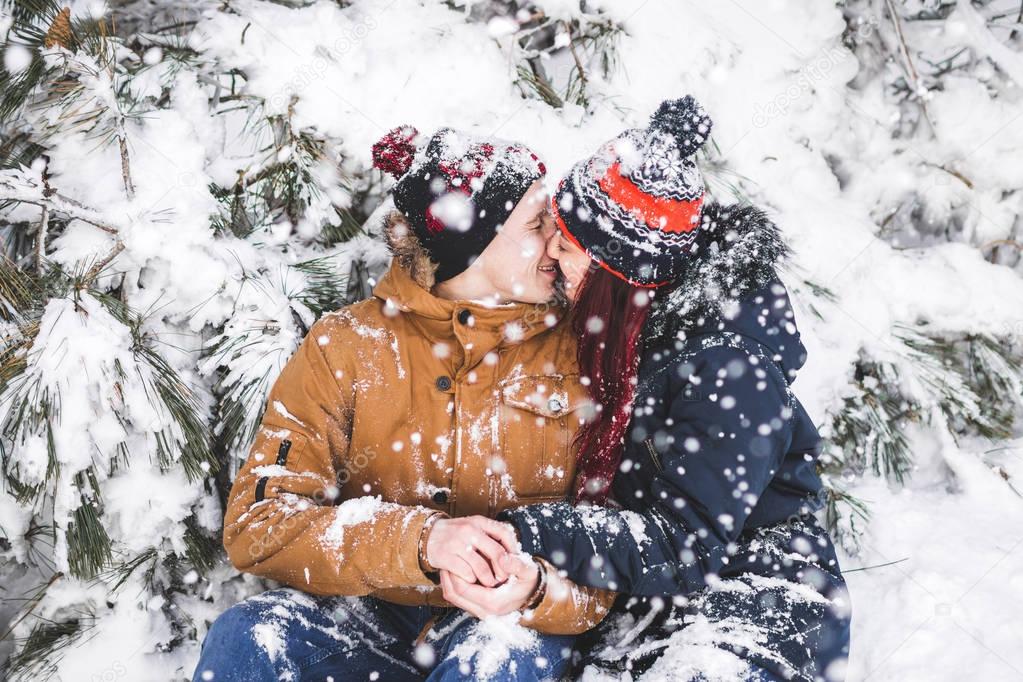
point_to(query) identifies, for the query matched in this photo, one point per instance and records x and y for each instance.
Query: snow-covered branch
(22, 186)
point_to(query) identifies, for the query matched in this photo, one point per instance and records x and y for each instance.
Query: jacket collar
(730, 285)
(437, 319)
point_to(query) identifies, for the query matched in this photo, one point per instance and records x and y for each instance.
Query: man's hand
(471, 548)
(523, 576)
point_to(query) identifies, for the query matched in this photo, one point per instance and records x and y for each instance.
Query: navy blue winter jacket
(718, 445)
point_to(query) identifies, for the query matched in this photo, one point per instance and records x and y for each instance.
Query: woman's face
(572, 262)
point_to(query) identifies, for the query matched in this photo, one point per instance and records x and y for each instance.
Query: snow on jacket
(718, 445)
(398, 408)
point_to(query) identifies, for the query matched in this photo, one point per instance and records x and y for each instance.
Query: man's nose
(547, 226)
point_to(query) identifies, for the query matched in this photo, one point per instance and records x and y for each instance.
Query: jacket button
(440, 497)
(464, 316)
(555, 405)
(443, 383)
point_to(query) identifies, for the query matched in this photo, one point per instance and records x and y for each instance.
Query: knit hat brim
(635, 205)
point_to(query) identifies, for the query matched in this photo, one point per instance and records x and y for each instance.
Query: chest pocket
(539, 417)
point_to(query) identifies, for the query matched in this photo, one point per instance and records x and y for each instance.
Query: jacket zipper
(282, 452)
(649, 443)
(282, 459)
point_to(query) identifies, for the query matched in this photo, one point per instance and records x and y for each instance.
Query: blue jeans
(289, 635)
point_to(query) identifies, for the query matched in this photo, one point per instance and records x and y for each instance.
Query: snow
(808, 129)
(284, 611)
(159, 513)
(947, 604)
(488, 646)
(283, 411)
(637, 526)
(350, 513)
(17, 59)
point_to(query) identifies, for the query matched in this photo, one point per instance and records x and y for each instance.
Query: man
(401, 424)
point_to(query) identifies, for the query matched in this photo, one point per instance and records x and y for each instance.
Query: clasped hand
(482, 568)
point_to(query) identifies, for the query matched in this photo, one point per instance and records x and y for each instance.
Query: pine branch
(1019, 20)
(588, 37)
(959, 371)
(16, 185)
(182, 441)
(961, 383)
(918, 88)
(44, 26)
(845, 516)
(44, 226)
(97, 269)
(286, 181)
(122, 143)
(533, 75)
(18, 293)
(88, 544)
(38, 654)
(324, 290)
(32, 602)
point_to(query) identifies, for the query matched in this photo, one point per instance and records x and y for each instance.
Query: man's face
(516, 263)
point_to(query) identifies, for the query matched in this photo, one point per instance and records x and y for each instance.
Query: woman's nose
(553, 244)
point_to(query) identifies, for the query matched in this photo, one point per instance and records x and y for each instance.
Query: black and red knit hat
(634, 206)
(457, 190)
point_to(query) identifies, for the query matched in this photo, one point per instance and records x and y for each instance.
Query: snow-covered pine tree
(959, 381)
(119, 408)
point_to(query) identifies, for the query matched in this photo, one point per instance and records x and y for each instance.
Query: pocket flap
(549, 395)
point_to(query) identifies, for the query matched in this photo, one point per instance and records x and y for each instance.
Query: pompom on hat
(456, 190)
(635, 205)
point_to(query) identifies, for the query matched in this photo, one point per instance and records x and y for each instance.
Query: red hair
(608, 319)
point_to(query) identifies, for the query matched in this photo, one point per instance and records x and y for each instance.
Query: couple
(571, 413)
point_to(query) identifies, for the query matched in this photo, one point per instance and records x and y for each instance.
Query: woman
(696, 481)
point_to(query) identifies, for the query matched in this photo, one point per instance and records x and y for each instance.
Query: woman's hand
(472, 548)
(523, 576)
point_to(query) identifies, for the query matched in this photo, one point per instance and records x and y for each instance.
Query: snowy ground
(949, 609)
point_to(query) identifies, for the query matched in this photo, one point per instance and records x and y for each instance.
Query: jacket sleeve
(568, 608)
(727, 429)
(284, 520)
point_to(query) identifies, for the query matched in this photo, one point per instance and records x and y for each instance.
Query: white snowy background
(805, 127)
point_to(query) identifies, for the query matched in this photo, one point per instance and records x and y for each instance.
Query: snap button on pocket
(555, 405)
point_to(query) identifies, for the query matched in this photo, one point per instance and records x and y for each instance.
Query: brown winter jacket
(393, 410)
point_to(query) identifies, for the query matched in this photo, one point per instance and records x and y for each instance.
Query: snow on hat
(634, 206)
(457, 190)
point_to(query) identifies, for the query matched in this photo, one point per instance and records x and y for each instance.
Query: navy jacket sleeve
(726, 430)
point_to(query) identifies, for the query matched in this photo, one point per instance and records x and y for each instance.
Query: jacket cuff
(411, 532)
(424, 542)
(536, 596)
(555, 613)
(567, 608)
